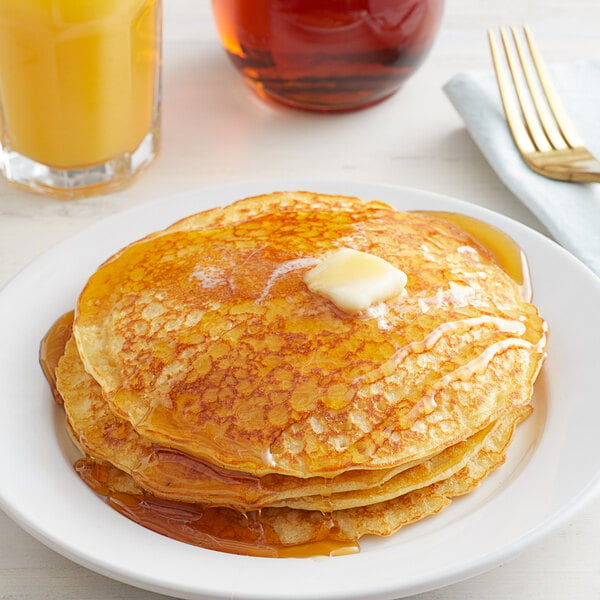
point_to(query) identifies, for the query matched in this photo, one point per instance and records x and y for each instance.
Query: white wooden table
(216, 131)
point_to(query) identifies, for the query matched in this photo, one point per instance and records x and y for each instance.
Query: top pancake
(206, 339)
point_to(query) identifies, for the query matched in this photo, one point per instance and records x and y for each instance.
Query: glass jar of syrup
(327, 55)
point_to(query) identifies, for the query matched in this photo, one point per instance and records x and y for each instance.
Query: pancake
(170, 474)
(205, 338)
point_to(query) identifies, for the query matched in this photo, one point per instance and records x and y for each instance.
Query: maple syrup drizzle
(504, 251)
(224, 529)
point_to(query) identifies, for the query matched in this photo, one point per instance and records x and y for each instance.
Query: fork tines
(539, 124)
(547, 124)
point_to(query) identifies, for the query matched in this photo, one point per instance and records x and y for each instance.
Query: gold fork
(541, 129)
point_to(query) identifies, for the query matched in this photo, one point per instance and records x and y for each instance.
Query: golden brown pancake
(207, 340)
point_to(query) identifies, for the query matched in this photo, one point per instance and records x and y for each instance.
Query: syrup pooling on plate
(212, 527)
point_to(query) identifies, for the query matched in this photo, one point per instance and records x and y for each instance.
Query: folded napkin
(570, 211)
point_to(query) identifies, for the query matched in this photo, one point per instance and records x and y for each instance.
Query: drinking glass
(327, 55)
(80, 85)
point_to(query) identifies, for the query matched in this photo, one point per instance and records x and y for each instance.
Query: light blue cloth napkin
(570, 211)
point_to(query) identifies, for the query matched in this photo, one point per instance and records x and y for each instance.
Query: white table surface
(216, 131)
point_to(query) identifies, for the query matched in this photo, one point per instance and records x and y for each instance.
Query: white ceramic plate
(552, 468)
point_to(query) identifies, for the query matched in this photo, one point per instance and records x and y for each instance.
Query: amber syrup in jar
(327, 55)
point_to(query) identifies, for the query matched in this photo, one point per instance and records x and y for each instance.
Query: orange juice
(78, 78)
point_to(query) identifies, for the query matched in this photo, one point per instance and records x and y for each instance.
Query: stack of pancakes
(202, 370)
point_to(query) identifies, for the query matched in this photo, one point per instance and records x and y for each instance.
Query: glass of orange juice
(80, 87)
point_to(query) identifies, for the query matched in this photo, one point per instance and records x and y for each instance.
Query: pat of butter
(355, 280)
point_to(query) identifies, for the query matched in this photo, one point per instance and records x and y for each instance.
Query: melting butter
(355, 280)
